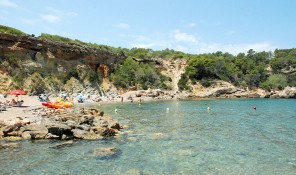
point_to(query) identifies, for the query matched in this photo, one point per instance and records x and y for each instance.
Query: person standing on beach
(121, 99)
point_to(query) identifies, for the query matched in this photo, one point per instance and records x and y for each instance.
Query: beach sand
(32, 102)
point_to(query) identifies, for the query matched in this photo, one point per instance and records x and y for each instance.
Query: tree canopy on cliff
(251, 69)
(132, 73)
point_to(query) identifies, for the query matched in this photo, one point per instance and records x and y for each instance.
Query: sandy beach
(31, 102)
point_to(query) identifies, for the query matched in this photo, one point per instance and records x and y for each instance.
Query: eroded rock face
(64, 125)
(47, 52)
(61, 59)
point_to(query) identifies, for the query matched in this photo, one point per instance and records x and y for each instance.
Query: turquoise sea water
(232, 138)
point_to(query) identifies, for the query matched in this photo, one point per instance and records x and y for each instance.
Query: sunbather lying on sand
(16, 103)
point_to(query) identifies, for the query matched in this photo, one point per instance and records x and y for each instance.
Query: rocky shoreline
(226, 90)
(86, 123)
(61, 124)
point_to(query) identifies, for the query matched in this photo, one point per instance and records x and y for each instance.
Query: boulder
(100, 123)
(98, 130)
(84, 127)
(26, 135)
(14, 133)
(114, 125)
(87, 119)
(108, 132)
(81, 134)
(288, 92)
(58, 129)
(36, 131)
(78, 133)
(7, 129)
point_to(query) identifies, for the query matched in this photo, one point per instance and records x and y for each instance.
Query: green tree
(277, 81)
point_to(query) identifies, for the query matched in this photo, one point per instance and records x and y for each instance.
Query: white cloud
(56, 16)
(123, 26)
(8, 3)
(184, 37)
(51, 18)
(188, 43)
(235, 48)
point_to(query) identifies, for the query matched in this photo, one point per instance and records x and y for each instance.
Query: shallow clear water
(232, 138)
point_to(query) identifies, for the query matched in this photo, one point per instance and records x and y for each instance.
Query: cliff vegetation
(51, 63)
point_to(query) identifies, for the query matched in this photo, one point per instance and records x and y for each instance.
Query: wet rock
(71, 123)
(12, 138)
(133, 172)
(37, 135)
(64, 125)
(9, 145)
(67, 137)
(26, 135)
(98, 130)
(87, 119)
(52, 136)
(65, 144)
(108, 132)
(93, 111)
(78, 133)
(114, 124)
(7, 129)
(36, 131)
(159, 135)
(58, 129)
(100, 123)
(14, 133)
(84, 127)
(106, 153)
(81, 134)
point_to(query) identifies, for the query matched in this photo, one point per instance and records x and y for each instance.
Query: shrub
(183, 82)
(277, 81)
(10, 30)
(206, 83)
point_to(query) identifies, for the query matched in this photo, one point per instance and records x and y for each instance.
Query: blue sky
(191, 26)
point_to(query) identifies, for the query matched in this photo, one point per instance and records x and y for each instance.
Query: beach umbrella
(17, 93)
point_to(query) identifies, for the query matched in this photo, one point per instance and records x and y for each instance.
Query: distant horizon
(193, 27)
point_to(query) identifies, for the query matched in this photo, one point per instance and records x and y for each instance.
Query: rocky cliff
(46, 51)
(25, 55)
(49, 66)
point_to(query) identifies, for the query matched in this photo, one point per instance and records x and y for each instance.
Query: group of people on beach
(10, 103)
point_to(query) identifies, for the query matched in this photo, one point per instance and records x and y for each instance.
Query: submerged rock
(106, 153)
(9, 145)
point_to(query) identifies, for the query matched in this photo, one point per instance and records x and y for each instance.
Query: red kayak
(46, 103)
(55, 105)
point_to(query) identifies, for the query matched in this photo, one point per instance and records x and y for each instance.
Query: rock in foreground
(64, 125)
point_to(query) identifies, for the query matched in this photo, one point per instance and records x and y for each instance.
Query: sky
(190, 26)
